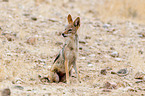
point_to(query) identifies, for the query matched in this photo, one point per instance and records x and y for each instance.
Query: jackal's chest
(71, 55)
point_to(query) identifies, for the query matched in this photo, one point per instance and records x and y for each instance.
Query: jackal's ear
(77, 22)
(69, 19)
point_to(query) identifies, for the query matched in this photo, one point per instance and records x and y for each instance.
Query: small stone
(103, 72)
(19, 87)
(14, 34)
(142, 35)
(139, 81)
(112, 48)
(109, 85)
(82, 42)
(90, 65)
(108, 68)
(114, 54)
(139, 75)
(82, 57)
(122, 72)
(88, 37)
(43, 79)
(53, 20)
(10, 39)
(112, 72)
(119, 59)
(34, 18)
(131, 90)
(92, 55)
(6, 92)
(106, 25)
(26, 14)
(29, 90)
(18, 81)
(141, 51)
(58, 43)
(80, 48)
(8, 36)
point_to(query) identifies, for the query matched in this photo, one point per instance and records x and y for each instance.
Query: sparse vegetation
(111, 38)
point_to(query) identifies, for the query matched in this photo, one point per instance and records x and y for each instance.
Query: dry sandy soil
(112, 37)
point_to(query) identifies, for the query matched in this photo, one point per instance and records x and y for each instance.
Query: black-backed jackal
(66, 59)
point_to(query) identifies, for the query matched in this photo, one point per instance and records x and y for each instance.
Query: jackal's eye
(70, 30)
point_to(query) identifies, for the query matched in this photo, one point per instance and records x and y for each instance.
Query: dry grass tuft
(122, 9)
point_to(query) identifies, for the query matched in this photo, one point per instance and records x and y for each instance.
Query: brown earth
(112, 37)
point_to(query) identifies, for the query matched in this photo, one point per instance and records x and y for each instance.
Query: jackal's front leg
(67, 71)
(76, 71)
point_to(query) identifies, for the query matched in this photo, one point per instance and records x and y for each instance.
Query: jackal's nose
(63, 35)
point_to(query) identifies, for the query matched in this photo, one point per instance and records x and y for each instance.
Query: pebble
(122, 72)
(10, 38)
(88, 37)
(131, 90)
(6, 92)
(18, 81)
(53, 20)
(82, 42)
(106, 25)
(82, 57)
(92, 55)
(26, 14)
(139, 75)
(103, 72)
(58, 43)
(80, 48)
(114, 54)
(139, 81)
(90, 65)
(112, 72)
(119, 59)
(34, 18)
(19, 87)
(112, 48)
(109, 85)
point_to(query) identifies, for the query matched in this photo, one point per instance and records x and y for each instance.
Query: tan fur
(66, 59)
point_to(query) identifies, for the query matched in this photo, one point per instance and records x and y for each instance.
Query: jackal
(66, 59)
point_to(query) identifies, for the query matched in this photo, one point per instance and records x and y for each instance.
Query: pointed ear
(69, 19)
(77, 22)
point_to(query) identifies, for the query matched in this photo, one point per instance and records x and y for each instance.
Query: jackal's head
(72, 27)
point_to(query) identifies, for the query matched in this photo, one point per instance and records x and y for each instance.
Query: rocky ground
(111, 53)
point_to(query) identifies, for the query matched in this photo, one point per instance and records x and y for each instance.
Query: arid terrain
(111, 48)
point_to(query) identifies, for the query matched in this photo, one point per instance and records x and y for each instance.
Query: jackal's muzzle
(64, 35)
